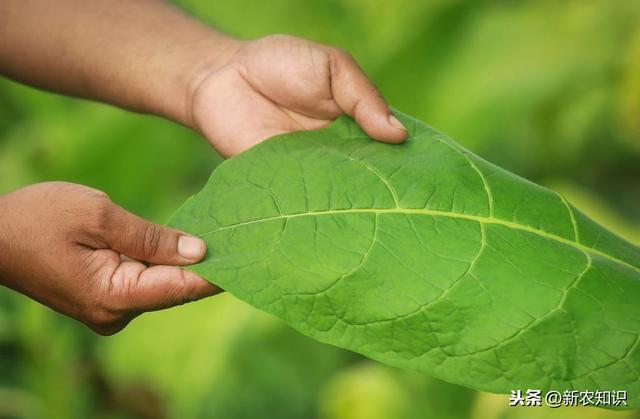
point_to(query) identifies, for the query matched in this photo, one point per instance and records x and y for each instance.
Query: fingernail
(190, 247)
(396, 123)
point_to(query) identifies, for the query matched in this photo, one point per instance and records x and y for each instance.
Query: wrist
(183, 70)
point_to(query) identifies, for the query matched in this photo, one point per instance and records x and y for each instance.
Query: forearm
(142, 55)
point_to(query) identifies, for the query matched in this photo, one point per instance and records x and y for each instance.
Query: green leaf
(423, 256)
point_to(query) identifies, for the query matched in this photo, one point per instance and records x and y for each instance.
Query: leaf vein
(433, 213)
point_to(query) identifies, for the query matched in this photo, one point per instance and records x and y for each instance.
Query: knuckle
(338, 59)
(101, 214)
(93, 208)
(81, 211)
(341, 54)
(178, 294)
(151, 236)
(99, 196)
(373, 91)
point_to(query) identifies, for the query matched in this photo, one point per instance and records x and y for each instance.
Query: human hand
(280, 84)
(61, 244)
(150, 57)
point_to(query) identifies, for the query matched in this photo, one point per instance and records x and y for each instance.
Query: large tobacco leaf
(423, 256)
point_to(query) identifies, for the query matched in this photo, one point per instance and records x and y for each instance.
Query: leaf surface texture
(423, 256)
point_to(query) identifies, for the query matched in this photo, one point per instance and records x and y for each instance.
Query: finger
(358, 97)
(137, 288)
(139, 239)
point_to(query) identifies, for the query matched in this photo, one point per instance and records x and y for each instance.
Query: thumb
(356, 96)
(142, 240)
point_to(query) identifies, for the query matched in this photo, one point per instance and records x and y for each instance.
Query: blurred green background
(549, 90)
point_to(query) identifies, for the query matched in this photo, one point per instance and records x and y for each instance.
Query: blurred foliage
(547, 89)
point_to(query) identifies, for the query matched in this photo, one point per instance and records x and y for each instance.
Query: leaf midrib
(435, 213)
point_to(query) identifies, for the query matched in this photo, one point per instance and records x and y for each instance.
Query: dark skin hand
(72, 249)
(61, 244)
(281, 84)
